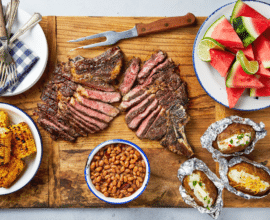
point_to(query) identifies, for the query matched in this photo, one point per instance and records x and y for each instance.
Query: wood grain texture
(60, 180)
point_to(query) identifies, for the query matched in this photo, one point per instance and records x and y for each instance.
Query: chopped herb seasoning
(205, 198)
(208, 201)
(200, 183)
(207, 207)
(231, 141)
(194, 183)
(247, 142)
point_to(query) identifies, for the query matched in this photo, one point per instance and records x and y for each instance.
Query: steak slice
(107, 66)
(158, 129)
(89, 112)
(98, 106)
(145, 125)
(137, 120)
(130, 76)
(109, 97)
(138, 109)
(93, 123)
(149, 65)
(54, 130)
(128, 104)
(49, 93)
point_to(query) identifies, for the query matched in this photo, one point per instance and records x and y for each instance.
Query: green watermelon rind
(231, 74)
(237, 7)
(243, 26)
(212, 27)
(252, 93)
(266, 64)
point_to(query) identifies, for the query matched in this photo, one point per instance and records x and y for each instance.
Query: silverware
(13, 8)
(139, 30)
(7, 64)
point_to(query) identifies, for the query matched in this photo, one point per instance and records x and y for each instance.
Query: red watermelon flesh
(260, 92)
(248, 51)
(233, 95)
(247, 11)
(259, 25)
(267, 33)
(221, 61)
(224, 33)
(264, 80)
(237, 78)
(262, 71)
(262, 48)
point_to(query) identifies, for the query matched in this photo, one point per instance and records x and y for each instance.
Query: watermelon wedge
(249, 29)
(237, 78)
(262, 47)
(263, 92)
(248, 51)
(222, 31)
(221, 61)
(233, 95)
(242, 9)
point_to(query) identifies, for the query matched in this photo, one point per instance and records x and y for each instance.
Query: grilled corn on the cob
(9, 172)
(4, 120)
(23, 143)
(5, 145)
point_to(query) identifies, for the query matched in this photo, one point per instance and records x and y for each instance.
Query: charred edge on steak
(130, 76)
(149, 65)
(107, 66)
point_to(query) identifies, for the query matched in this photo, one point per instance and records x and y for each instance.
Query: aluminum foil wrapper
(216, 128)
(187, 168)
(223, 171)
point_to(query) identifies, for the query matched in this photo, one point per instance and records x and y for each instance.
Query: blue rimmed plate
(210, 79)
(97, 193)
(16, 115)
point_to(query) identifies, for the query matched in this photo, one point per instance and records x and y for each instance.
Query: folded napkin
(25, 59)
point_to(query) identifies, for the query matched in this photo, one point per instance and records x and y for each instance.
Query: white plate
(16, 116)
(36, 41)
(210, 79)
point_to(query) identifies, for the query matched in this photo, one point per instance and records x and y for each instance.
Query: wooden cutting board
(60, 180)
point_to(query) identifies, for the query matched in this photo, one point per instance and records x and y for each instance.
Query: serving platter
(212, 82)
(60, 180)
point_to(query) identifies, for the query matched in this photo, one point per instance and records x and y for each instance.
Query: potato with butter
(249, 179)
(235, 138)
(201, 189)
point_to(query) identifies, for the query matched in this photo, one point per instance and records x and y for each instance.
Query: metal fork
(7, 64)
(140, 29)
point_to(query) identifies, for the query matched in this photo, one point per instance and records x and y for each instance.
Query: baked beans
(117, 170)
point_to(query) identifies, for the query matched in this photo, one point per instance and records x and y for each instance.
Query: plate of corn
(20, 149)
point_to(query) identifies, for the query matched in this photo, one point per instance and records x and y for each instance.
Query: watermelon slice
(249, 29)
(260, 92)
(262, 47)
(221, 60)
(242, 9)
(247, 51)
(265, 91)
(237, 78)
(233, 95)
(222, 31)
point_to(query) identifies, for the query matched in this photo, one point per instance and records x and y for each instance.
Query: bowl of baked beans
(117, 171)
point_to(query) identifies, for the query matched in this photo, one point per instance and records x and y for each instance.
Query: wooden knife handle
(3, 32)
(165, 24)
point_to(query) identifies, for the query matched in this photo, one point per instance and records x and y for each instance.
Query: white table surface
(154, 8)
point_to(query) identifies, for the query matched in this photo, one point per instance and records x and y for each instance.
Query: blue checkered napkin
(25, 59)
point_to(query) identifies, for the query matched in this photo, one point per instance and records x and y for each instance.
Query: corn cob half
(11, 171)
(4, 120)
(5, 145)
(23, 143)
